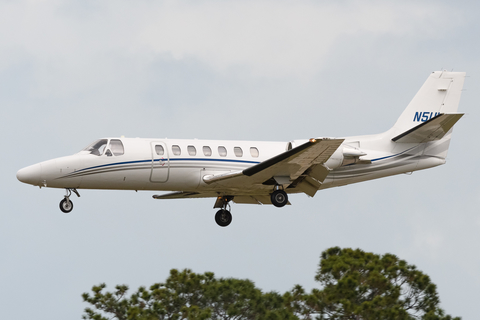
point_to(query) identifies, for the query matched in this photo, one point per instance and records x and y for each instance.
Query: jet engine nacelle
(336, 160)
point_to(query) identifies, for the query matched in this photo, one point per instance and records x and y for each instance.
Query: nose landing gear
(66, 205)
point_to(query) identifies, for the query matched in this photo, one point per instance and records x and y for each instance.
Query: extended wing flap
(309, 186)
(319, 172)
(431, 130)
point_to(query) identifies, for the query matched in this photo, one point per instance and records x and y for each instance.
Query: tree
(355, 285)
(364, 285)
(186, 295)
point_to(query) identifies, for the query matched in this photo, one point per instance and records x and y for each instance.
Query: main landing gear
(223, 217)
(279, 198)
(66, 205)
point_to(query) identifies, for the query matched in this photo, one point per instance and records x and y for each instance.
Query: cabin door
(160, 162)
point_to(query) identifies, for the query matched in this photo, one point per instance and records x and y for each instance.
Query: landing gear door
(160, 162)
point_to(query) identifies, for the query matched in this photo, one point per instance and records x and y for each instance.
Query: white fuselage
(184, 164)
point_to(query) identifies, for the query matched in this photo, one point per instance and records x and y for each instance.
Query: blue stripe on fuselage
(171, 159)
(393, 155)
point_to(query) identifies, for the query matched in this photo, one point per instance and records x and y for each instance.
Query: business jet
(258, 172)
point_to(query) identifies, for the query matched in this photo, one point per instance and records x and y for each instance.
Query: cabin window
(207, 151)
(116, 146)
(97, 148)
(191, 150)
(159, 150)
(176, 150)
(222, 151)
(238, 151)
(254, 152)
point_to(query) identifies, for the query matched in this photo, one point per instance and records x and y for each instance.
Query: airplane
(259, 172)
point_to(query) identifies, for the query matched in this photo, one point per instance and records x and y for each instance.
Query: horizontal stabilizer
(431, 130)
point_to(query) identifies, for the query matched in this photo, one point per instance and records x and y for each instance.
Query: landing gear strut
(279, 198)
(223, 217)
(66, 205)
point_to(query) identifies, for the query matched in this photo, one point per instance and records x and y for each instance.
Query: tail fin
(439, 94)
(430, 116)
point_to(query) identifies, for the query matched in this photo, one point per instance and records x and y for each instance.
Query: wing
(302, 165)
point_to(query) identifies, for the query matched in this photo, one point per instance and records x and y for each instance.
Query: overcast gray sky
(75, 71)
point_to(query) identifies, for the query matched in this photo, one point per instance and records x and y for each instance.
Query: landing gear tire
(66, 206)
(223, 217)
(279, 198)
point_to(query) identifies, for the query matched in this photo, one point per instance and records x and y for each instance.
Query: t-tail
(430, 116)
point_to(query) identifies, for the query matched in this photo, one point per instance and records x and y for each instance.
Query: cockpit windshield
(97, 148)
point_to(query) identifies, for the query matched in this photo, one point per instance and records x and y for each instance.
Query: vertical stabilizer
(439, 94)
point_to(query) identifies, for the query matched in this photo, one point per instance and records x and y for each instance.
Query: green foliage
(355, 285)
(363, 285)
(186, 295)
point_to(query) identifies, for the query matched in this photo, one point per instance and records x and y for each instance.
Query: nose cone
(30, 175)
